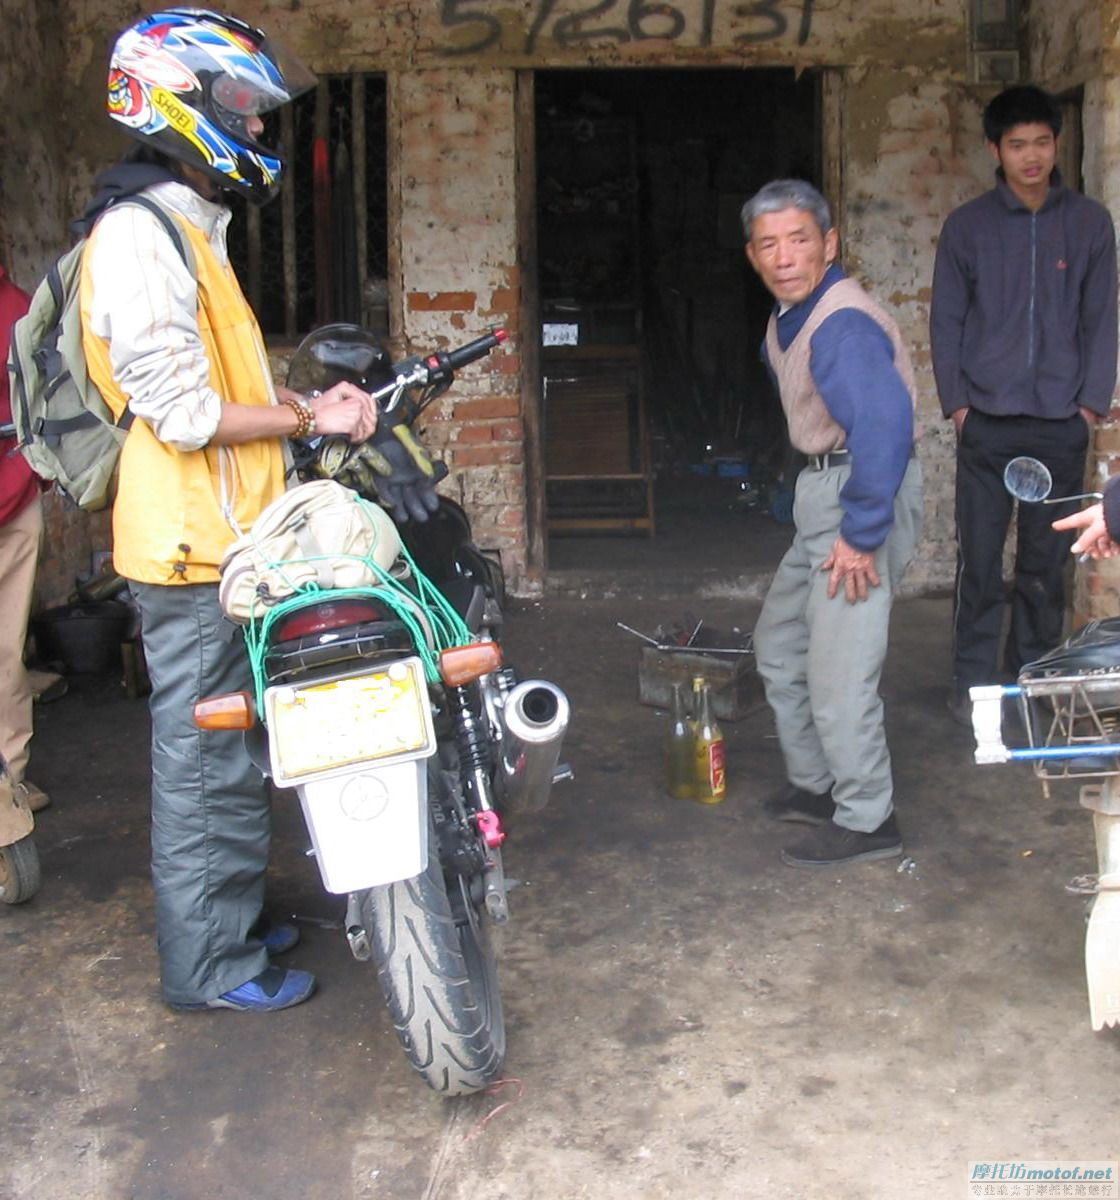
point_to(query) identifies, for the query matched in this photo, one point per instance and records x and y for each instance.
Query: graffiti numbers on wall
(572, 23)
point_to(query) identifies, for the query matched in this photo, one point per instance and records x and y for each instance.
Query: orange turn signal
(234, 710)
(462, 664)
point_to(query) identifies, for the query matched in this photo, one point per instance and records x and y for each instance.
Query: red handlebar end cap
(501, 335)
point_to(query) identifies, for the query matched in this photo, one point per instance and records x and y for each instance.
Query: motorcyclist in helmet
(175, 344)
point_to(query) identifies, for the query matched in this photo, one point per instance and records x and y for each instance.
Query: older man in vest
(847, 389)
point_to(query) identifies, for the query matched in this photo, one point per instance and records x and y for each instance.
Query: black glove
(402, 472)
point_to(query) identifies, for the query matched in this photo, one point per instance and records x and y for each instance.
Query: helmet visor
(234, 97)
(241, 101)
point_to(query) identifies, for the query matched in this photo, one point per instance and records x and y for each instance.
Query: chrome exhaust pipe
(534, 718)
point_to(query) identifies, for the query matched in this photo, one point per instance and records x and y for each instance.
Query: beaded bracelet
(304, 416)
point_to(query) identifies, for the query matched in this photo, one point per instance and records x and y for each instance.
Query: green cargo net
(425, 611)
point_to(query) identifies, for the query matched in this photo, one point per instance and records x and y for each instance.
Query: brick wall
(452, 132)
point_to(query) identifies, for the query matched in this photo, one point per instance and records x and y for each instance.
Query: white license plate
(338, 724)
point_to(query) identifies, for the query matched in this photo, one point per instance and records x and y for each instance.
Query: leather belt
(834, 458)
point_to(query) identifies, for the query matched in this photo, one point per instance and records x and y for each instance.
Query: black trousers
(984, 508)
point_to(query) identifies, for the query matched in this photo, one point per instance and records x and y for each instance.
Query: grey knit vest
(811, 428)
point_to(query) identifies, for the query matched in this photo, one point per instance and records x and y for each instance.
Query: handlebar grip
(476, 349)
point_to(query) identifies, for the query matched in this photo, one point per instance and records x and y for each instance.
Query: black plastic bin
(84, 638)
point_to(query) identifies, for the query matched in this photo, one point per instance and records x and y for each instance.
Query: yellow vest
(168, 524)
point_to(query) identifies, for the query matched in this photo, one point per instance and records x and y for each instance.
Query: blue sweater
(852, 363)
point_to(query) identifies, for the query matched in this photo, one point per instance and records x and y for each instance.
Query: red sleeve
(18, 484)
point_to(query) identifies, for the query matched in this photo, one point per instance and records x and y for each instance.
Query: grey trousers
(821, 659)
(210, 806)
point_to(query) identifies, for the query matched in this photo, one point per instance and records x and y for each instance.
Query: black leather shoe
(799, 806)
(832, 845)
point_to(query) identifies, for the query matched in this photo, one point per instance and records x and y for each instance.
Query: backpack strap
(175, 233)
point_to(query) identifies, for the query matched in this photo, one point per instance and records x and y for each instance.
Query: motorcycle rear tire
(438, 971)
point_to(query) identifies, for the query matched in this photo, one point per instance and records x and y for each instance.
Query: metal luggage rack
(1072, 724)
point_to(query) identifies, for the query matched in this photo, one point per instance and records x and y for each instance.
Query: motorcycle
(1069, 709)
(390, 711)
(19, 856)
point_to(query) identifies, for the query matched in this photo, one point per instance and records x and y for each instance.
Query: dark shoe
(47, 686)
(960, 707)
(276, 938)
(274, 988)
(832, 845)
(797, 805)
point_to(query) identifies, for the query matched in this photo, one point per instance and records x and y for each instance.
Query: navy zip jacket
(1023, 315)
(851, 359)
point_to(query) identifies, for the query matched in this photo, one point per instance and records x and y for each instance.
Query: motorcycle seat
(1092, 650)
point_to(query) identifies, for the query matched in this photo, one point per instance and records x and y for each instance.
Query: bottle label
(717, 772)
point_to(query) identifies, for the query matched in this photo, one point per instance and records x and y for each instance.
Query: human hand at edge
(1094, 540)
(958, 416)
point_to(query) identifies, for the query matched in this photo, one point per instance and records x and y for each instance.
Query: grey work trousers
(821, 659)
(210, 807)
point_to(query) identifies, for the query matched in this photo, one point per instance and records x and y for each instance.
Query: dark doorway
(657, 411)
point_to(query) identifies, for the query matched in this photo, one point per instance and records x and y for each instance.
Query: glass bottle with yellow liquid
(709, 778)
(679, 768)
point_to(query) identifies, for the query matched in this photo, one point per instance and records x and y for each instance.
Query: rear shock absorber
(474, 766)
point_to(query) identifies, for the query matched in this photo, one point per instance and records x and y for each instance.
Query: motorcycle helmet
(336, 352)
(190, 82)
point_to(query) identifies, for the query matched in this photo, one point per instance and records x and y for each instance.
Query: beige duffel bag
(317, 533)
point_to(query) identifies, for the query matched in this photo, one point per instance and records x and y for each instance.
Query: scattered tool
(644, 636)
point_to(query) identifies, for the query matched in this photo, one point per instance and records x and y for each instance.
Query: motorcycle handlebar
(439, 367)
(476, 349)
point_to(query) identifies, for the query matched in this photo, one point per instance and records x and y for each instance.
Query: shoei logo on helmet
(182, 118)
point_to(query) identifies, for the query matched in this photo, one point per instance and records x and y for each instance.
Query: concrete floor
(686, 1015)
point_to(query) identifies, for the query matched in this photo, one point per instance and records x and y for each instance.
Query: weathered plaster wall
(1066, 42)
(909, 149)
(1097, 591)
(453, 137)
(1075, 45)
(914, 151)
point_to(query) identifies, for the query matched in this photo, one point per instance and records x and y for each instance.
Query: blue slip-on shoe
(276, 938)
(279, 939)
(274, 988)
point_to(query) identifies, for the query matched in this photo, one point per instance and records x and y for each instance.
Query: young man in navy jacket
(1023, 332)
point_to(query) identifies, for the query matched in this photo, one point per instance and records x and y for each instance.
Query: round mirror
(1027, 479)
